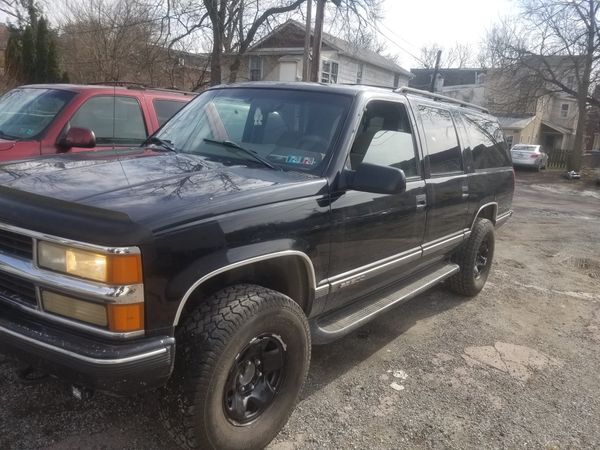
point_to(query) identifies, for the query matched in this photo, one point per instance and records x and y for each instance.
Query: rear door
(447, 182)
(376, 238)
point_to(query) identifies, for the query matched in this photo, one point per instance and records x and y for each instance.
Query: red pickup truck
(55, 118)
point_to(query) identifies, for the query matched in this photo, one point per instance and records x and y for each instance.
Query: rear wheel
(475, 259)
(242, 358)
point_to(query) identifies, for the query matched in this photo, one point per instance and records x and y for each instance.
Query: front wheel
(242, 358)
(475, 259)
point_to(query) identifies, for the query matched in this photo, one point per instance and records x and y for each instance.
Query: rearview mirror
(78, 137)
(377, 179)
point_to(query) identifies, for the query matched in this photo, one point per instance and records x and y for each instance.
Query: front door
(375, 237)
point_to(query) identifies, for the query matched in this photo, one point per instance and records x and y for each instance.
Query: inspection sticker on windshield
(304, 160)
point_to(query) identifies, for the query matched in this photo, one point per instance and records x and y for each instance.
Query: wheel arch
(290, 272)
(486, 211)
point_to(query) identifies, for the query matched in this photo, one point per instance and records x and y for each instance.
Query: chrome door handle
(421, 201)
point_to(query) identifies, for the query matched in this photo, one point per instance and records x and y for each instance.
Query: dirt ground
(516, 367)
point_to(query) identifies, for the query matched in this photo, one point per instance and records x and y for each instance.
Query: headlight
(106, 268)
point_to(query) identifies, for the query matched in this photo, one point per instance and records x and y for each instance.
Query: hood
(154, 189)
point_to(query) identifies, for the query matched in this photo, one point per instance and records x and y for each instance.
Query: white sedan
(529, 156)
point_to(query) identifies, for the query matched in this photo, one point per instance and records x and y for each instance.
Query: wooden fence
(557, 159)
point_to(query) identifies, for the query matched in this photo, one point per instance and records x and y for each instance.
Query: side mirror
(377, 179)
(77, 137)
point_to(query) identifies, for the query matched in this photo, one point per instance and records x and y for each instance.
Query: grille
(16, 244)
(17, 289)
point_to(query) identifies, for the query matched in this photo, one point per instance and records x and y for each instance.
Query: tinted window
(165, 109)
(114, 120)
(442, 142)
(25, 113)
(487, 143)
(294, 129)
(385, 138)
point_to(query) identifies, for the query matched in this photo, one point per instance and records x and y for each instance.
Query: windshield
(291, 129)
(26, 112)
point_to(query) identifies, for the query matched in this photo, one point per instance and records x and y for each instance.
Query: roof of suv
(101, 88)
(354, 89)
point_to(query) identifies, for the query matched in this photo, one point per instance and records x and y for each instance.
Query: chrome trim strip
(307, 261)
(373, 269)
(87, 290)
(82, 357)
(322, 291)
(443, 242)
(503, 218)
(495, 204)
(70, 242)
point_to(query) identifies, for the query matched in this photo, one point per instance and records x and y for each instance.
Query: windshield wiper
(235, 146)
(163, 143)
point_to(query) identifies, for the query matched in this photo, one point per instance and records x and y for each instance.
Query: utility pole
(316, 53)
(306, 60)
(435, 70)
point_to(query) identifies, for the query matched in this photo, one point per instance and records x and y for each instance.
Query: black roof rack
(140, 86)
(440, 98)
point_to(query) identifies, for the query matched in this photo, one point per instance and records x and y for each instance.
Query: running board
(341, 322)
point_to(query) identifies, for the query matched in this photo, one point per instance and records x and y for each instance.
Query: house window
(564, 110)
(509, 141)
(571, 82)
(329, 74)
(396, 80)
(359, 73)
(256, 68)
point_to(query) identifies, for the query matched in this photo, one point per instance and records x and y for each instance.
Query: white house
(278, 57)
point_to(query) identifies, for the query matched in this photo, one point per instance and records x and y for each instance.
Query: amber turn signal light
(126, 318)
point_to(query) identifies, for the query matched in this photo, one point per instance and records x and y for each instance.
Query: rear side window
(385, 138)
(442, 142)
(114, 120)
(165, 109)
(487, 143)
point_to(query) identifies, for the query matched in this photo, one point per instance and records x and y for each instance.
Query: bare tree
(556, 42)
(459, 56)
(129, 40)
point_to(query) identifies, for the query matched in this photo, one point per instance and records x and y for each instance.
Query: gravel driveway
(518, 366)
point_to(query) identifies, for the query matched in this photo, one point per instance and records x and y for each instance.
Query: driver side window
(385, 138)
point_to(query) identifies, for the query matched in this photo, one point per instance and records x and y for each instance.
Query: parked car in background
(529, 156)
(46, 119)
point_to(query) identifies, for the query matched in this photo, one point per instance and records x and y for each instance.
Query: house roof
(452, 77)
(342, 46)
(514, 123)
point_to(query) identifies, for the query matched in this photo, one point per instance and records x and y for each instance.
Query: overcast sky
(412, 24)
(408, 25)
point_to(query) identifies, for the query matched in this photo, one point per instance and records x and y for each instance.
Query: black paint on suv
(261, 219)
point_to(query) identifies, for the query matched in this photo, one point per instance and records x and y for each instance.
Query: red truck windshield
(26, 112)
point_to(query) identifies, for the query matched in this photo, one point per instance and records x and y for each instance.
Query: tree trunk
(234, 68)
(575, 158)
(215, 57)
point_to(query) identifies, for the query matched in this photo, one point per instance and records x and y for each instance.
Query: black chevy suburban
(262, 218)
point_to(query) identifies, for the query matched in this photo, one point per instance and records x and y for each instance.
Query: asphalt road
(518, 366)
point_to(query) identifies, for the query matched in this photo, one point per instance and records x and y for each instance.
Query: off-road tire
(466, 282)
(208, 343)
